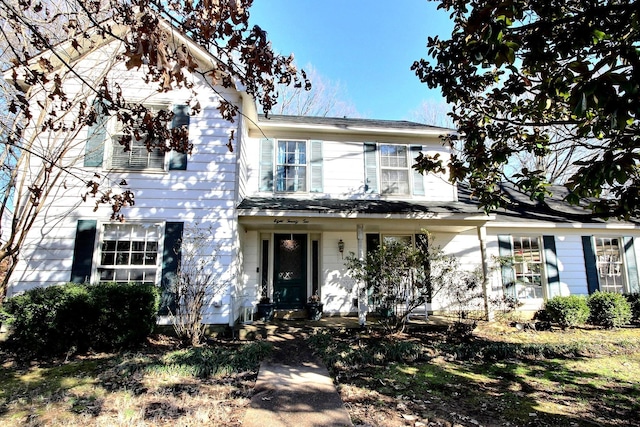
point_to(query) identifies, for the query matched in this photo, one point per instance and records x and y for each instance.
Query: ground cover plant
(499, 376)
(161, 384)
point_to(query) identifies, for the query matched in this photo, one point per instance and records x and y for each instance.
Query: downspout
(482, 237)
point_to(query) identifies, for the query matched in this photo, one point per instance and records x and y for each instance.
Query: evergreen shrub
(567, 311)
(608, 309)
(52, 320)
(634, 302)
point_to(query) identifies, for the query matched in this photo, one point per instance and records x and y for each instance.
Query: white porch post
(362, 302)
(482, 237)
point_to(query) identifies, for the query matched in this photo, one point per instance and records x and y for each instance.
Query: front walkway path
(294, 387)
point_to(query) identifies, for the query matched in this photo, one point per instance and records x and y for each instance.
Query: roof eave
(280, 126)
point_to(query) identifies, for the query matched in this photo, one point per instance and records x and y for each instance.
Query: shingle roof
(349, 122)
(554, 209)
(329, 206)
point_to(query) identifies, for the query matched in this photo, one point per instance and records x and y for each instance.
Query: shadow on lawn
(518, 384)
(151, 382)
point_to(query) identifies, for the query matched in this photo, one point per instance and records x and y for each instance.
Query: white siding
(573, 276)
(204, 194)
(343, 171)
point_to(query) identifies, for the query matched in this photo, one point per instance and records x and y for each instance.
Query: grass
(154, 387)
(500, 376)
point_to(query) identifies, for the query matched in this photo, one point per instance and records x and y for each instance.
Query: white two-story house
(293, 198)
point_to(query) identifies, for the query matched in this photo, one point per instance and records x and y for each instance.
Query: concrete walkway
(294, 387)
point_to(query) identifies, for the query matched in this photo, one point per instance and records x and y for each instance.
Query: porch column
(362, 302)
(482, 236)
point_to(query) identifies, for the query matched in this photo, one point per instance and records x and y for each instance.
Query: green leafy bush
(634, 302)
(74, 317)
(567, 311)
(608, 309)
(126, 313)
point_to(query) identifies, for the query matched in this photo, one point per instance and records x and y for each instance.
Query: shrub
(567, 311)
(72, 317)
(634, 302)
(126, 313)
(608, 309)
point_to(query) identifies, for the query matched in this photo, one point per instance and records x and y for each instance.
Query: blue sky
(367, 46)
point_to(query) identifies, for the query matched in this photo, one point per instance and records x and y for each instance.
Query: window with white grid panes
(394, 169)
(129, 253)
(291, 166)
(610, 264)
(527, 265)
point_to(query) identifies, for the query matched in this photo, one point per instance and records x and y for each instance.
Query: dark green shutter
(418, 178)
(373, 242)
(96, 135)
(181, 117)
(83, 251)
(370, 168)
(631, 264)
(590, 264)
(266, 164)
(422, 244)
(170, 261)
(316, 167)
(506, 265)
(551, 264)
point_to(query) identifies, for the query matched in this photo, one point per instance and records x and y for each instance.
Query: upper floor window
(609, 264)
(138, 157)
(291, 166)
(108, 131)
(388, 170)
(394, 169)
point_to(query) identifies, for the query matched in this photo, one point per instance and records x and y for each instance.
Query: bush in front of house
(126, 313)
(567, 311)
(608, 309)
(634, 302)
(76, 317)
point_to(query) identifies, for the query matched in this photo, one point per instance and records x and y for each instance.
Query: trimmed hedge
(74, 317)
(567, 311)
(608, 309)
(634, 302)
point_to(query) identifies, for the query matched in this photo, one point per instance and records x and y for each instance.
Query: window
(388, 171)
(129, 253)
(399, 239)
(291, 166)
(394, 169)
(609, 264)
(106, 131)
(139, 157)
(527, 265)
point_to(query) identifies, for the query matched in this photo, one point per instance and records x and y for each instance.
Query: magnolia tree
(47, 104)
(399, 278)
(557, 81)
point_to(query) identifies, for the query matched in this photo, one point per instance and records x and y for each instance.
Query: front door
(290, 272)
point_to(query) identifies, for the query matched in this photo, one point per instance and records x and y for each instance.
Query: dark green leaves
(539, 87)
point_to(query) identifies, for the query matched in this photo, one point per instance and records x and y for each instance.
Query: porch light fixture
(341, 247)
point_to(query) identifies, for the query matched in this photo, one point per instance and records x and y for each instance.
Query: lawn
(500, 376)
(159, 385)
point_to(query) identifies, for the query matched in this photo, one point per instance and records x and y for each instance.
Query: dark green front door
(290, 281)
